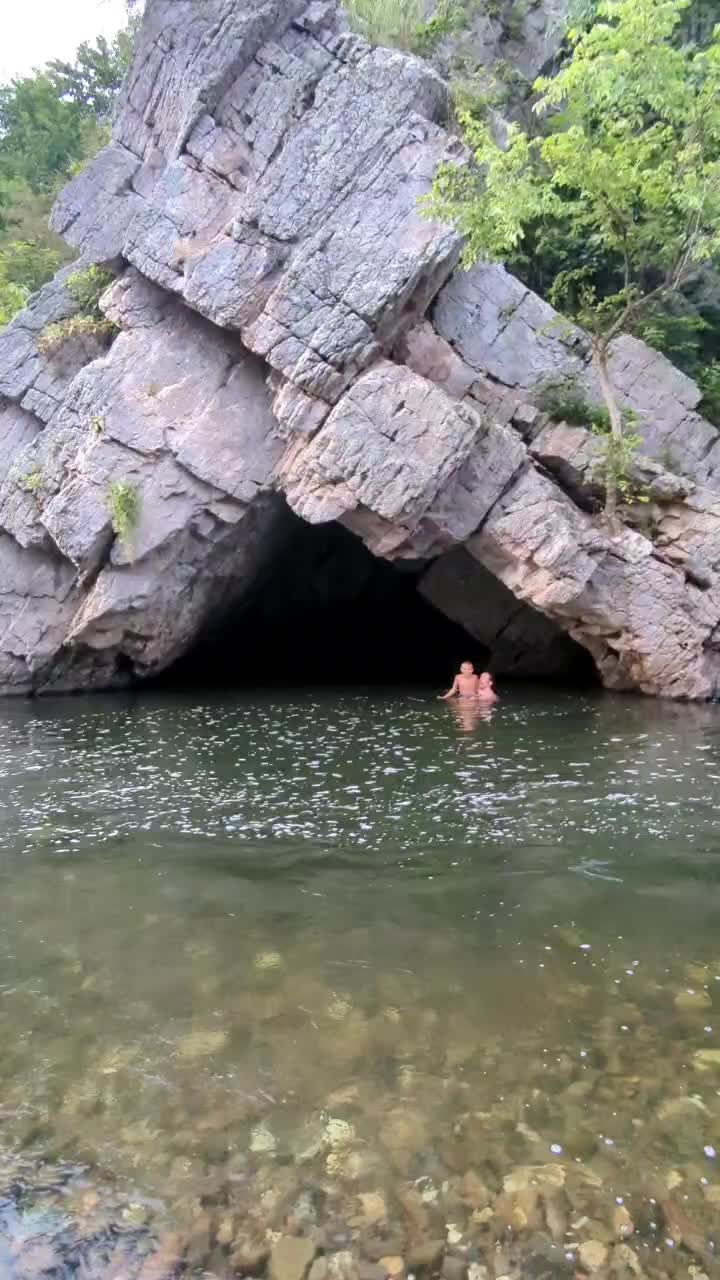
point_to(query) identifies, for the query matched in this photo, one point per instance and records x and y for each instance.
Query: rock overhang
(292, 328)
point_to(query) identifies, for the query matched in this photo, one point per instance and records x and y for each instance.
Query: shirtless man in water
(469, 685)
(486, 688)
(465, 684)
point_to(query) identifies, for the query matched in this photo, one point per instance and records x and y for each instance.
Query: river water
(413, 983)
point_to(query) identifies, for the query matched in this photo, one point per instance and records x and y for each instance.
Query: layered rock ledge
(292, 333)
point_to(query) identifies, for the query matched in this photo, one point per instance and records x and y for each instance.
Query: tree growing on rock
(625, 173)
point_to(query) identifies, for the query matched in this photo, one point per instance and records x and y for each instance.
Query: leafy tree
(29, 265)
(40, 133)
(91, 83)
(625, 180)
(12, 298)
(45, 118)
(51, 123)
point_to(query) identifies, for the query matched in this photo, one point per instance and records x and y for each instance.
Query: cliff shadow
(327, 612)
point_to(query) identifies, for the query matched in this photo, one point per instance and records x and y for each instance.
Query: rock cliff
(292, 333)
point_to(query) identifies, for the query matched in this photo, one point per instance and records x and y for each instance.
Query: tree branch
(674, 278)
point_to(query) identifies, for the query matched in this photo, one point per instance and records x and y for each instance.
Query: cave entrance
(325, 611)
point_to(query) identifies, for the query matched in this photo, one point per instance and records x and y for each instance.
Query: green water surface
(350, 965)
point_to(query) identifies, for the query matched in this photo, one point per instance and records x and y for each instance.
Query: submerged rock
(201, 1043)
(453, 1268)
(623, 1225)
(690, 1000)
(393, 1266)
(541, 1176)
(426, 1253)
(262, 1139)
(290, 1258)
(593, 1255)
(474, 1191)
(248, 1255)
(706, 1059)
(373, 1207)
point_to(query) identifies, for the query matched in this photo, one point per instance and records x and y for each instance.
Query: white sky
(33, 31)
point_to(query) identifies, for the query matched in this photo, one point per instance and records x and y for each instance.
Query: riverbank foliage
(51, 123)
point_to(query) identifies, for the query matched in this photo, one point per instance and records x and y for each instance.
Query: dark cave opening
(327, 612)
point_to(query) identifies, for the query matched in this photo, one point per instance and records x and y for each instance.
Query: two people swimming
(468, 685)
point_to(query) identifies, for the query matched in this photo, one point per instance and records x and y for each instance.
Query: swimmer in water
(465, 684)
(486, 688)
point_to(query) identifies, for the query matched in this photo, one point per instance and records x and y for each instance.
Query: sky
(33, 31)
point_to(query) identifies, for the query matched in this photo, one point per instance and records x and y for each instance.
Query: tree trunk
(600, 360)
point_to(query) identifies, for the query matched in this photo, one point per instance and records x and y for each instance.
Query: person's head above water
(467, 669)
(486, 679)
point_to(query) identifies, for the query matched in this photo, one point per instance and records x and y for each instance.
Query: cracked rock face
(274, 186)
(180, 413)
(293, 333)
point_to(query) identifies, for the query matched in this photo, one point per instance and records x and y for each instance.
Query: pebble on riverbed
(290, 1258)
(593, 1254)
(692, 1000)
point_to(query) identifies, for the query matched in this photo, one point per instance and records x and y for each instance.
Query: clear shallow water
(367, 969)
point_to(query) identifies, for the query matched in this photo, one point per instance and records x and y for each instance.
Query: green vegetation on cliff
(619, 192)
(51, 123)
(402, 24)
(124, 507)
(683, 324)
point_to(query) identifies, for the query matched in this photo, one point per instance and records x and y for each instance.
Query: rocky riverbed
(445, 1148)
(346, 984)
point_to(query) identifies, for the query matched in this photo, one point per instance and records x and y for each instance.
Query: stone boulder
(179, 413)
(266, 167)
(415, 472)
(499, 330)
(510, 41)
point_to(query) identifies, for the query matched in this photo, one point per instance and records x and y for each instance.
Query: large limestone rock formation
(293, 333)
